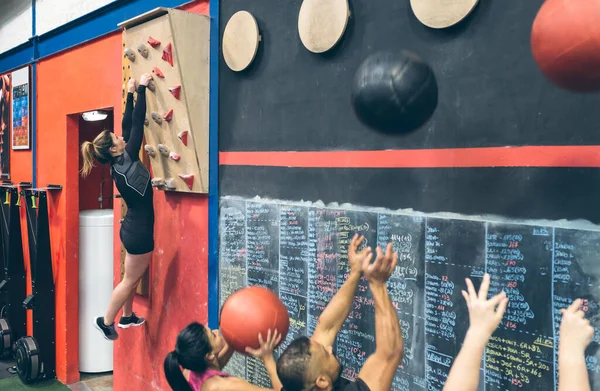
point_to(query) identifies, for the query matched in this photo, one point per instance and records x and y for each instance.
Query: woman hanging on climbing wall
(132, 179)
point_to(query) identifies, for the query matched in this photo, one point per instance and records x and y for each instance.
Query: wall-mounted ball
(394, 92)
(565, 41)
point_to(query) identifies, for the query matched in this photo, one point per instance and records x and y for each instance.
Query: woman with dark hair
(203, 352)
(132, 179)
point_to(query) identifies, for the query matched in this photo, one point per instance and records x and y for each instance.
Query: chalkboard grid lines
(300, 252)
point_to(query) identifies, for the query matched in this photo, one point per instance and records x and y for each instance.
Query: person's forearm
(464, 374)
(271, 367)
(572, 372)
(337, 310)
(388, 335)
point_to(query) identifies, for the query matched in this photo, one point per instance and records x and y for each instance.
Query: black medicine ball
(394, 92)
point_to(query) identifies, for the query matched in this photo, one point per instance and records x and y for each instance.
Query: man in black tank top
(308, 364)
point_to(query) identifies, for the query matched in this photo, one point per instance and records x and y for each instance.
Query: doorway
(96, 190)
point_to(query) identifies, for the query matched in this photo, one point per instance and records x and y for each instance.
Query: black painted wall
(491, 94)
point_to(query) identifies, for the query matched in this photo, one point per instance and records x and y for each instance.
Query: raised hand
(383, 267)
(131, 85)
(576, 333)
(356, 259)
(484, 318)
(266, 347)
(146, 77)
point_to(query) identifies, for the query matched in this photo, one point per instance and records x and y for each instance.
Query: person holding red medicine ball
(203, 352)
(310, 365)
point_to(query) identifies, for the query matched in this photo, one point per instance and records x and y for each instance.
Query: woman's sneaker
(133, 320)
(109, 332)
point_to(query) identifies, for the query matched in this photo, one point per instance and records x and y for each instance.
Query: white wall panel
(51, 14)
(15, 23)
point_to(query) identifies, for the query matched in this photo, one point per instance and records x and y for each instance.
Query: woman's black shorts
(135, 243)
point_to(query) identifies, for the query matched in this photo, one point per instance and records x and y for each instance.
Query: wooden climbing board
(143, 287)
(173, 46)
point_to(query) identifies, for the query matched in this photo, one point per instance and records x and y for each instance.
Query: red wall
(178, 282)
(178, 285)
(69, 83)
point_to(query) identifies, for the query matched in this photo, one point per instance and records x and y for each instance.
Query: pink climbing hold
(175, 91)
(183, 136)
(158, 72)
(167, 117)
(174, 156)
(153, 42)
(168, 54)
(188, 179)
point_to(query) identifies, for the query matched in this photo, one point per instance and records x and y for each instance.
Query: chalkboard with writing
(300, 251)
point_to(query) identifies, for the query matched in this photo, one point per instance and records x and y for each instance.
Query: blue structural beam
(17, 57)
(213, 171)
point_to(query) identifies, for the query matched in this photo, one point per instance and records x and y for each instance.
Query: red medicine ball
(251, 311)
(565, 41)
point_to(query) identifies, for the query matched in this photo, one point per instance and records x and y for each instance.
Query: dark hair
(190, 350)
(98, 149)
(293, 364)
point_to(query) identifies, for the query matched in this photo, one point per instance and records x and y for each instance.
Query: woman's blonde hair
(99, 150)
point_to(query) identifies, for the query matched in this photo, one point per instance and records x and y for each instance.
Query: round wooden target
(322, 23)
(240, 41)
(439, 14)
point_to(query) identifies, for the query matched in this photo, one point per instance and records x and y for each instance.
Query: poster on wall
(5, 123)
(20, 109)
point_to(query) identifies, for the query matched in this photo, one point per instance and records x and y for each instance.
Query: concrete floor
(94, 382)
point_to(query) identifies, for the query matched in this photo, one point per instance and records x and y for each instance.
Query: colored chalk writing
(300, 251)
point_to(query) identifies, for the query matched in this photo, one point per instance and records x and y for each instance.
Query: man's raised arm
(334, 315)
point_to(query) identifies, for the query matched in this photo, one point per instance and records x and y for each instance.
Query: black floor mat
(4, 366)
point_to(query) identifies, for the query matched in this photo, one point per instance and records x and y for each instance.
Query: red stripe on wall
(531, 156)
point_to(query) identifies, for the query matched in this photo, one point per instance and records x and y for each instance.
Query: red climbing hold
(167, 117)
(153, 42)
(168, 54)
(175, 91)
(183, 136)
(174, 156)
(158, 72)
(188, 179)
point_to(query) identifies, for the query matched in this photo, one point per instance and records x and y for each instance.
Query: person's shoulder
(216, 383)
(357, 385)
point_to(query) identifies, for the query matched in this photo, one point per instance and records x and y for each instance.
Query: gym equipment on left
(36, 354)
(12, 271)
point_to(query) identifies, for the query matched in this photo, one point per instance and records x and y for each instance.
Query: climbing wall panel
(173, 46)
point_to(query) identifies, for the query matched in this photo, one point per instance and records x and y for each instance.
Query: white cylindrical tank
(96, 271)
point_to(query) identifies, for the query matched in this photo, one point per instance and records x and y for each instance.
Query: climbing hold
(150, 150)
(156, 117)
(158, 72)
(188, 179)
(183, 136)
(170, 183)
(168, 115)
(153, 42)
(158, 182)
(163, 150)
(146, 122)
(151, 86)
(168, 54)
(130, 54)
(174, 156)
(142, 50)
(175, 91)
